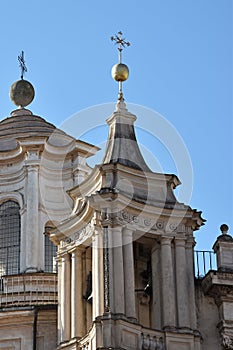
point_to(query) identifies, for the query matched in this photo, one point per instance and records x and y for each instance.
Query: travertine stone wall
(207, 319)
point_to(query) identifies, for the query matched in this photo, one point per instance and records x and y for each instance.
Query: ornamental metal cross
(22, 64)
(120, 42)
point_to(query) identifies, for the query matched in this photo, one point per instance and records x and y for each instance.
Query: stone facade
(125, 248)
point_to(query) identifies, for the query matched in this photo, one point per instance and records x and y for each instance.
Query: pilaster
(77, 310)
(97, 274)
(59, 313)
(32, 219)
(65, 298)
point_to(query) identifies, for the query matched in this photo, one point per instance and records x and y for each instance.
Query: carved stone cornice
(218, 284)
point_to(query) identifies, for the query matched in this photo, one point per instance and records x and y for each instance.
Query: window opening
(9, 238)
(50, 251)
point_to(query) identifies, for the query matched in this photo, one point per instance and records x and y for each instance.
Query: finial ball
(22, 93)
(224, 229)
(120, 72)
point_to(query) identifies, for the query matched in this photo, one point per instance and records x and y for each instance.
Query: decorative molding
(160, 225)
(80, 236)
(124, 217)
(145, 223)
(227, 342)
(171, 227)
(15, 196)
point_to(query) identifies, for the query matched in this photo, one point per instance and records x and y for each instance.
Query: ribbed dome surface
(22, 123)
(25, 124)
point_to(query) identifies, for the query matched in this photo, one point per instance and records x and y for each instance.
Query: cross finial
(120, 42)
(22, 64)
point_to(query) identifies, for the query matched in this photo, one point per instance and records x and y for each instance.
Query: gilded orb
(120, 72)
(22, 93)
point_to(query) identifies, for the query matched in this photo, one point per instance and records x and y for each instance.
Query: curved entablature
(72, 226)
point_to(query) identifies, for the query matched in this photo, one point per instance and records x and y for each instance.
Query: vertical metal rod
(203, 257)
(197, 259)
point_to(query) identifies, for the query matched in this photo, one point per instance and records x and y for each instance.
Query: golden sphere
(120, 72)
(22, 93)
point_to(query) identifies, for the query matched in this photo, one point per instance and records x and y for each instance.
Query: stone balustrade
(28, 289)
(135, 337)
(151, 340)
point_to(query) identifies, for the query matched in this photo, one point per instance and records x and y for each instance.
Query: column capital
(31, 165)
(180, 242)
(190, 243)
(65, 256)
(166, 240)
(127, 235)
(128, 230)
(76, 252)
(155, 246)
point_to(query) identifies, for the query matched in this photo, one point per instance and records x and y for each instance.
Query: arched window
(9, 238)
(50, 252)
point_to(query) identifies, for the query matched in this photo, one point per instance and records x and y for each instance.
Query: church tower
(125, 255)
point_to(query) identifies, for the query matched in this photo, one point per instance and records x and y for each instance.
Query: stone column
(156, 287)
(59, 323)
(32, 220)
(117, 284)
(97, 274)
(190, 277)
(77, 310)
(168, 287)
(181, 283)
(65, 297)
(129, 274)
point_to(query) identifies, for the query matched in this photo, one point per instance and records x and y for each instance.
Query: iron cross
(22, 64)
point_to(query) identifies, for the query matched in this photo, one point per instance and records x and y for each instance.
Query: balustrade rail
(204, 260)
(28, 289)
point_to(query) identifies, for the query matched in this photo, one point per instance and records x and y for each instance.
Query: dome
(22, 123)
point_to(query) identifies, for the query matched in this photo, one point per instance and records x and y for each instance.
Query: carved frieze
(142, 222)
(80, 236)
(125, 217)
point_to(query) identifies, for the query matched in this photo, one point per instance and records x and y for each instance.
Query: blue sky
(180, 65)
